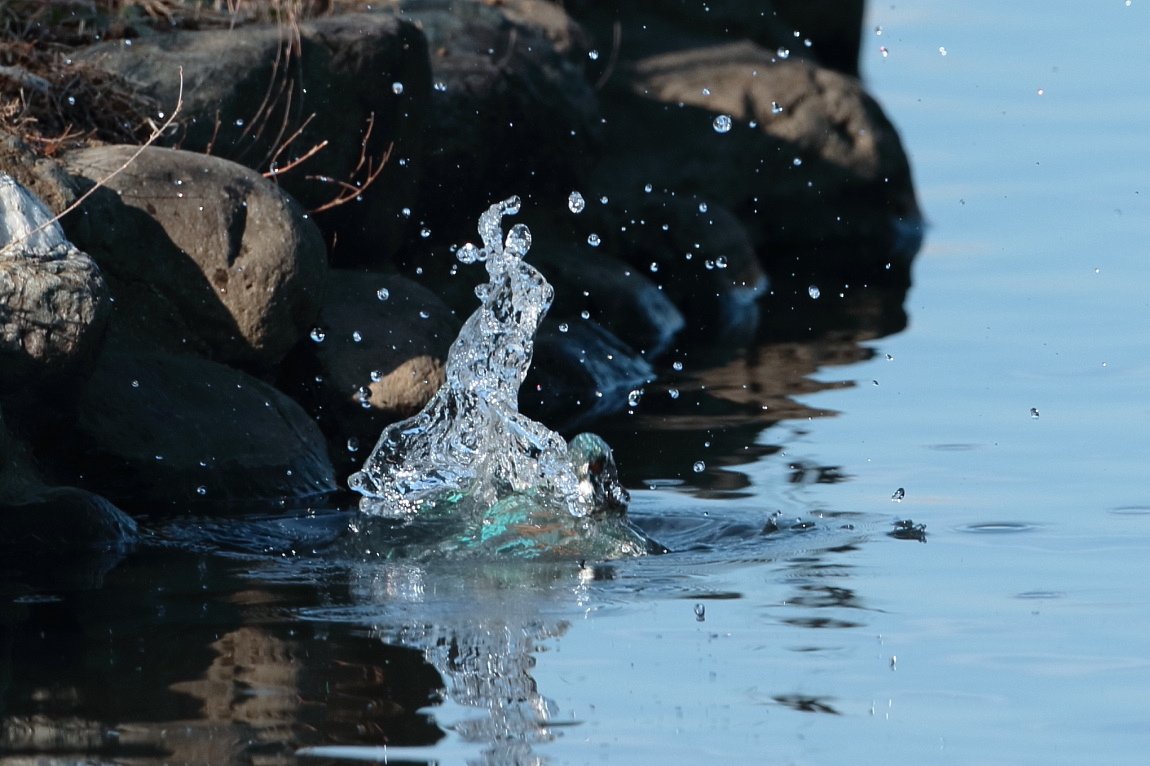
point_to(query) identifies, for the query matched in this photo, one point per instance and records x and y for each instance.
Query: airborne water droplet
(814, 291)
(721, 262)
(564, 327)
(593, 55)
(677, 366)
(722, 123)
(317, 334)
(425, 232)
(673, 393)
(397, 88)
(356, 336)
(1034, 412)
(783, 53)
(593, 240)
(575, 202)
(352, 444)
(700, 612)
(383, 293)
(898, 495)
(467, 254)
(377, 375)
(699, 466)
(201, 490)
(634, 397)
(776, 108)
(702, 207)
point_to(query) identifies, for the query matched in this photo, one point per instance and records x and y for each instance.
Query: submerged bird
(531, 525)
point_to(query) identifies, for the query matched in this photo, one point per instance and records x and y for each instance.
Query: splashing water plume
(470, 446)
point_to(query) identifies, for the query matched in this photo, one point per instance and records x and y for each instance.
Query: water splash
(470, 446)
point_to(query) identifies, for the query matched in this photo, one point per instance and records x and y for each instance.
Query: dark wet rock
(355, 387)
(809, 156)
(34, 515)
(201, 253)
(699, 256)
(510, 112)
(617, 296)
(53, 300)
(827, 31)
(579, 375)
(157, 428)
(249, 90)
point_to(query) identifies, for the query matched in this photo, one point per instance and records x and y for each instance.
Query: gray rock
(33, 514)
(355, 387)
(580, 375)
(53, 301)
(201, 253)
(248, 90)
(809, 156)
(510, 113)
(700, 257)
(159, 428)
(623, 299)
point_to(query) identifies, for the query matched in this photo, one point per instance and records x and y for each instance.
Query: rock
(355, 387)
(157, 428)
(826, 31)
(201, 253)
(45, 178)
(53, 301)
(809, 156)
(619, 297)
(699, 256)
(579, 375)
(509, 114)
(249, 90)
(34, 515)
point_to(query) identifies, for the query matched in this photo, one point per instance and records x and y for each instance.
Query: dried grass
(55, 103)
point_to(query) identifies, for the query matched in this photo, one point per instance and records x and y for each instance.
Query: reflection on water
(238, 652)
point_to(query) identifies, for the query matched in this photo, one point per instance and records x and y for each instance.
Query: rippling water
(1014, 635)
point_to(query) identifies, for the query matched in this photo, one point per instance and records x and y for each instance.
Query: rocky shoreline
(247, 302)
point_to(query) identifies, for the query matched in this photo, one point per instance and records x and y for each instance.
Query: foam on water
(470, 446)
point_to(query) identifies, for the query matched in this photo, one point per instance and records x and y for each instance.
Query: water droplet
(585, 314)
(776, 108)
(356, 336)
(603, 200)
(377, 375)
(942, 50)
(814, 292)
(797, 161)
(721, 262)
(135, 384)
(425, 232)
(702, 207)
(575, 202)
(677, 366)
(397, 88)
(898, 495)
(882, 49)
(700, 612)
(654, 267)
(708, 264)
(706, 91)
(878, 30)
(201, 490)
(467, 254)
(383, 293)
(673, 393)
(699, 466)
(593, 55)
(352, 444)
(1034, 412)
(783, 53)
(889, 358)
(440, 87)
(317, 334)
(634, 397)
(424, 315)
(405, 212)
(593, 240)
(722, 123)
(564, 327)
(648, 188)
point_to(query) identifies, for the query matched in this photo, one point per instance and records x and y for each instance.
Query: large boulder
(156, 429)
(799, 153)
(354, 85)
(201, 253)
(378, 355)
(511, 112)
(53, 301)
